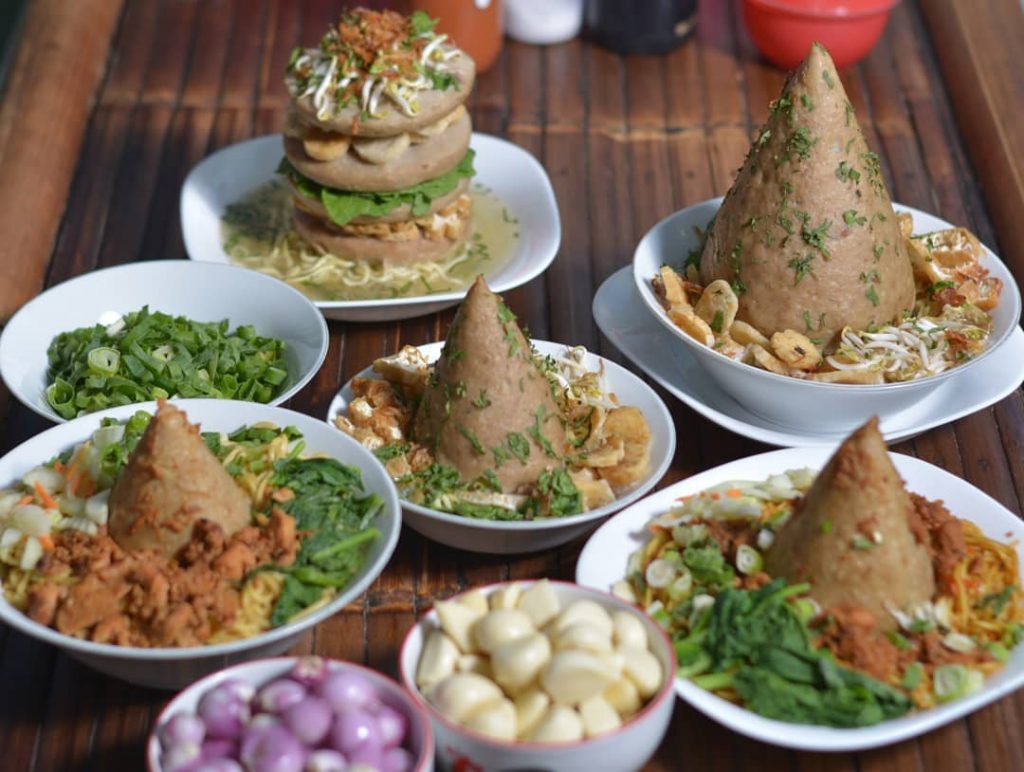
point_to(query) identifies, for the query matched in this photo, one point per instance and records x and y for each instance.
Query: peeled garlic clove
(457, 621)
(531, 706)
(323, 145)
(623, 696)
(497, 627)
(584, 611)
(433, 129)
(476, 600)
(474, 663)
(496, 719)
(380, 150)
(516, 663)
(614, 664)
(643, 669)
(540, 603)
(573, 676)
(598, 716)
(559, 725)
(506, 597)
(584, 635)
(463, 694)
(438, 659)
(627, 630)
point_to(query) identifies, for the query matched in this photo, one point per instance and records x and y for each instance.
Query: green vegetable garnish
(154, 355)
(343, 206)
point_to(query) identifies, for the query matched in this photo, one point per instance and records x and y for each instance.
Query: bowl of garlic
(541, 675)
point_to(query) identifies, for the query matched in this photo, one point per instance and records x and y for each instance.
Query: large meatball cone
(171, 481)
(488, 406)
(852, 539)
(807, 234)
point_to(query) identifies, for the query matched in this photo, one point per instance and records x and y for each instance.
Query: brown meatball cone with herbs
(807, 235)
(172, 481)
(852, 538)
(488, 406)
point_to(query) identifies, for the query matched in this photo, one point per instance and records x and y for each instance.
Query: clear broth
(257, 233)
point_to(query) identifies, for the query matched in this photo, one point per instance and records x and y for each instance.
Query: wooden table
(108, 105)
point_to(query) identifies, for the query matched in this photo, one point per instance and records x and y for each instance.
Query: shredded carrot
(715, 496)
(26, 499)
(734, 493)
(58, 466)
(85, 486)
(47, 541)
(45, 497)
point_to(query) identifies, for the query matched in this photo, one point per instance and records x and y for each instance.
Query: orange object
(45, 497)
(474, 25)
(784, 29)
(46, 541)
(27, 499)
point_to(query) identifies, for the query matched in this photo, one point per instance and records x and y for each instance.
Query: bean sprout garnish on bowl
(370, 56)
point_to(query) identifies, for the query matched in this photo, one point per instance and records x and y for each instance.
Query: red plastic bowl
(784, 29)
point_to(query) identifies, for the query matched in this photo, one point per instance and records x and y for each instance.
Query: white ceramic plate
(172, 668)
(529, 536)
(801, 405)
(508, 170)
(263, 671)
(202, 292)
(622, 317)
(603, 562)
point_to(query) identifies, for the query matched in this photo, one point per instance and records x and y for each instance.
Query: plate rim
(533, 268)
(544, 524)
(809, 737)
(98, 274)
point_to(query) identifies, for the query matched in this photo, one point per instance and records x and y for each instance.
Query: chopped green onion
(748, 559)
(912, 676)
(950, 682)
(104, 360)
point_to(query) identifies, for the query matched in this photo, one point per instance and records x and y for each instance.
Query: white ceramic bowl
(626, 748)
(504, 538)
(201, 292)
(512, 173)
(604, 558)
(262, 671)
(789, 402)
(172, 668)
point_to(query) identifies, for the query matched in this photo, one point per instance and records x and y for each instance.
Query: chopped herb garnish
(862, 543)
(802, 267)
(825, 526)
(482, 400)
(846, 172)
(716, 322)
(473, 440)
(518, 446)
(815, 237)
(827, 77)
(806, 102)
(850, 217)
(872, 295)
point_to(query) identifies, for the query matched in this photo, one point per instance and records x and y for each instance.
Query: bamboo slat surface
(626, 142)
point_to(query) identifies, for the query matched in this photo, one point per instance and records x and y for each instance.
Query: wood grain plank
(62, 43)
(977, 48)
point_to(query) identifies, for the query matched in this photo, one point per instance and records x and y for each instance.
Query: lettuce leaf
(343, 206)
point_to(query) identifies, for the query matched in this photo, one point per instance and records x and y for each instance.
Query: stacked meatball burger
(377, 139)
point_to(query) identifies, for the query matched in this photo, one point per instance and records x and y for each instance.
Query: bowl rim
(298, 380)
(639, 490)
(22, 622)
(1010, 292)
(665, 691)
(838, 13)
(416, 710)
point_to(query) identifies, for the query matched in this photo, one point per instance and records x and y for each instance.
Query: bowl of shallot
(292, 714)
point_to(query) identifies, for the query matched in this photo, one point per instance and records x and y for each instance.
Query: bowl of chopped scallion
(161, 329)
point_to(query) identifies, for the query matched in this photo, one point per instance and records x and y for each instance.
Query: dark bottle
(640, 26)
